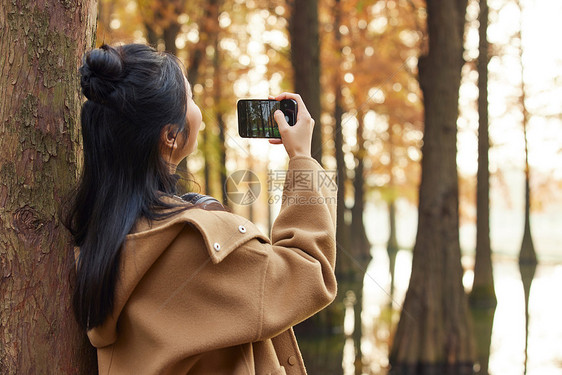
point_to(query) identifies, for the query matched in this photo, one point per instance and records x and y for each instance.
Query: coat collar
(222, 231)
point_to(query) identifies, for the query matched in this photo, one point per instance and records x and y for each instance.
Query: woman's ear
(168, 137)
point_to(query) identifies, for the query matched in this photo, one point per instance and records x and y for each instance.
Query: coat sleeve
(299, 277)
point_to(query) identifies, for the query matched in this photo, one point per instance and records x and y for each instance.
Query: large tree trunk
(434, 333)
(305, 58)
(483, 295)
(41, 49)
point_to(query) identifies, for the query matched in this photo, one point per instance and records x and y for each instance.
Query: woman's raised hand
(297, 139)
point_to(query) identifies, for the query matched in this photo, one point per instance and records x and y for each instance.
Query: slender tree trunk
(169, 35)
(305, 58)
(220, 119)
(392, 244)
(483, 286)
(360, 246)
(208, 30)
(105, 9)
(250, 168)
(527, 256)
(483, 296)
(151, 35)
(206, 156)
(434, 334)
(41, 48)
(321, 337)
(342, 234)
(207, 27)
(342, 228)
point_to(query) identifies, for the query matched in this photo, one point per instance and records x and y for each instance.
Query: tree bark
(41, 48)
(434, 333)
(305, 58)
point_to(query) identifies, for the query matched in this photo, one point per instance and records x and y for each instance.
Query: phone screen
(255, 117)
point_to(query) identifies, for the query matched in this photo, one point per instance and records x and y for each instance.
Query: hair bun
(101, 71)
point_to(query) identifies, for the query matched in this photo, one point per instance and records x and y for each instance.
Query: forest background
(357, 65)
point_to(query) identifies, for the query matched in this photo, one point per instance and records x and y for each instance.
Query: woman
(165, 286)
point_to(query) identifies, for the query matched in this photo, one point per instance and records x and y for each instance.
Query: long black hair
(133, 92)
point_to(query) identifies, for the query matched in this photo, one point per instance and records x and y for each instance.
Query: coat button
(292, 360)
(242, 229)
(217, 246)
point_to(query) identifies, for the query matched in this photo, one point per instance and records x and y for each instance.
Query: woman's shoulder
(174, 209)
(221, 230)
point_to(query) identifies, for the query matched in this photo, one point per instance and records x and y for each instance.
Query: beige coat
(205, 292)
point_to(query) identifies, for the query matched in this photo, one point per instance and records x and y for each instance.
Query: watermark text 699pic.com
(301, 181)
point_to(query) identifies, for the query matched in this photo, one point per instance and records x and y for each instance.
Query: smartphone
(255, 117)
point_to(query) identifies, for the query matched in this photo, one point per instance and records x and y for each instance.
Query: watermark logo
(243, 187)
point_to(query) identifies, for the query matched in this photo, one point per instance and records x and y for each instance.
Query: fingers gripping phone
(255, 117)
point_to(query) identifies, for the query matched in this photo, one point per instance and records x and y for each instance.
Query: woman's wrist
(298, 161)
(300, 154)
